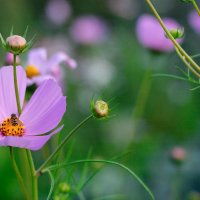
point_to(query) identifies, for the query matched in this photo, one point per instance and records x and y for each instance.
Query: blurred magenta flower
(9, 59)
(151, 35)
(194, 20)
(58, 11)
(39, 116)
(89, 30)
(39, 67)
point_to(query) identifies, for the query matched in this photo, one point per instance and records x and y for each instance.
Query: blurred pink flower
(178, 154)
(194, 20)
(58, 11)
(151, 35)
(9, 59)
(89, 30)
(39, 67)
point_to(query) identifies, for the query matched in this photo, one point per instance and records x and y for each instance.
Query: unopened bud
(178, 155)
(16, 43)
(64, 187)
(177, 33)
(100, 109)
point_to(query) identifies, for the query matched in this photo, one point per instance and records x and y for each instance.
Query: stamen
(12, 126)
(32, 71)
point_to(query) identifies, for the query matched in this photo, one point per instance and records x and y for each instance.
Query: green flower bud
(16, 43)
(64, 187)
(177, 33)
(100, 109)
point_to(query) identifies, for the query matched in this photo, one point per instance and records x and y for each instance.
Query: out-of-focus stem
(19, 177)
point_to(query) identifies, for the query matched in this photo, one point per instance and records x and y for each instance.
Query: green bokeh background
(168, 117)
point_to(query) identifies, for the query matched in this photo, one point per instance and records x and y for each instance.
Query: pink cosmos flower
(42, 114)
(89, 30)
(194, 20)
(39, 67)
(151, 35)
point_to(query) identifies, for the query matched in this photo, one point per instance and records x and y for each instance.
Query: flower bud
(16, 43)
(177, 33)
(178, 155)
(64, 187)
(100, 109)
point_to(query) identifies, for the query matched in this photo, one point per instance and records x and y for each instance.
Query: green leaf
(11, 31)
(2, 40)
(25, 32)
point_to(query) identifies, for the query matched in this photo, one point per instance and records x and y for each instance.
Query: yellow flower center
(12, 126)
(32, 71)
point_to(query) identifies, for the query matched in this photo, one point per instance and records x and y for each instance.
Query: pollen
(32, 71)
(12, 126)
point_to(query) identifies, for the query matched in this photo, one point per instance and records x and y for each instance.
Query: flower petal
(29, 142)
(60, 57)
(45, 109)
(38, 57)
(39, 79)
(8, 103)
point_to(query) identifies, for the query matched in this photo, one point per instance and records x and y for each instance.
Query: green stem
(54, 167)
(196, 6)
(60, 146)
(19, 177)
(34, 176)
(181, 50)
(16, 85)
(28, 153)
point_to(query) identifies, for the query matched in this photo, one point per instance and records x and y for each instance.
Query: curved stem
(60, 146)
(54, 167)
(181, 50)
(19, 177)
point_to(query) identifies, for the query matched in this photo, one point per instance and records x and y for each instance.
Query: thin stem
(28, 153)
(19, 177)
(182, 51)
(34, 176)
(196, 6)
(16, 85)
(60, 146)
(186, 63)
(54, 167)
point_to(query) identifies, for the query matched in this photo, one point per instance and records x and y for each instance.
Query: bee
(14, 120)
